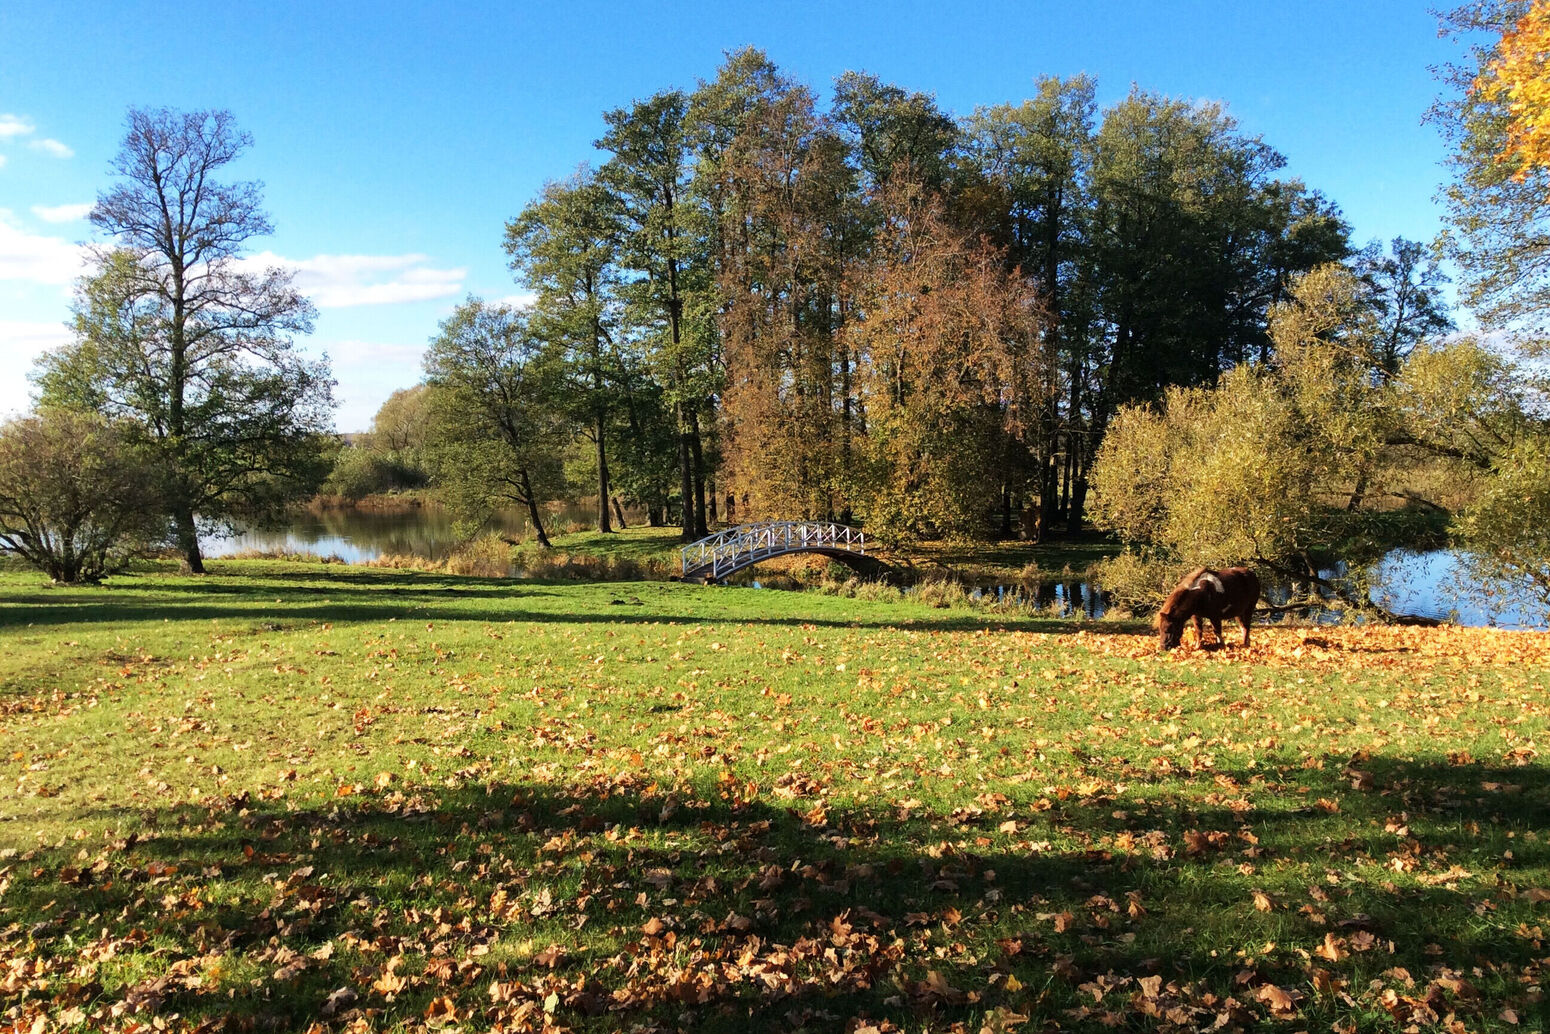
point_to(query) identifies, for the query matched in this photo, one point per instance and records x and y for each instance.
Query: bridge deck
(717, 556)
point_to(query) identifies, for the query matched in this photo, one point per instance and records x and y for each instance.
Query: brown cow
(1212, 595)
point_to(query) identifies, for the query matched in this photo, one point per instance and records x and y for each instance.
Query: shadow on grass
(625, 903)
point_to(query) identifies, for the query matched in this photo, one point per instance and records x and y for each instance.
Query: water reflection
(1436, 585)
(355, 535)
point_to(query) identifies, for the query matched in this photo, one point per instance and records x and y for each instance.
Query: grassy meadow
(300, 797)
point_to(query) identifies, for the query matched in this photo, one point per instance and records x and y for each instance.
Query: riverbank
(335, 794)
(973, 563)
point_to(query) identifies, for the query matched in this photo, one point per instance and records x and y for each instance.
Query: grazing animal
(1231, 592)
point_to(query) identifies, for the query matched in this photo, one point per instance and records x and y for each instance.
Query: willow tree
(176, 333)
(1317, 457)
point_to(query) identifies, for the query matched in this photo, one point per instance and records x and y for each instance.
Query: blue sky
(395, 139)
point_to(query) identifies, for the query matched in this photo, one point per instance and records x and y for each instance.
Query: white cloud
(342, 281)
(20, 343)
(521, 300)
(373, 353)
(61, 213)
(53, 147)
(13, 125)
(36, 259)
(2, 161)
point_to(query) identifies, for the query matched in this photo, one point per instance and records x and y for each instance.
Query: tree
(1506, 528)
(1498, 232)
(1039, 154)
(894, 131)
(663, 248)
(1192, 244)
(1314, 459)
(398, 428)
(1406, 289)
(780, 269)
(392, 456)
(77, 499)
(562, 246)
(496, 426)
(176, 333)
(953, 365)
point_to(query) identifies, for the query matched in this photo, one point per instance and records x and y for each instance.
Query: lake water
(1427, 584)
(355, 535)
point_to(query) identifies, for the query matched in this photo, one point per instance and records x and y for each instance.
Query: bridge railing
(728, 550)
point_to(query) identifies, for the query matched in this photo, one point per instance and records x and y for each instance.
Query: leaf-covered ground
(289, 798)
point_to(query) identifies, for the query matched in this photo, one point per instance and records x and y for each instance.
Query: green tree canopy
(77, 497)
(497, 427)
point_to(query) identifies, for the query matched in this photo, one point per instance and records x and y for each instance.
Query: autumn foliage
(1518, 78)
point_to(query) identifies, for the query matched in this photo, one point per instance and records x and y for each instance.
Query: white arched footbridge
(717, 556)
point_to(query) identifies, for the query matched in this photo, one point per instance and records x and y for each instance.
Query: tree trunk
(188, 539)
(619, 513)
(686, 476)
(532, 511)
(602, 480)
(1078, 502)
(700, 528)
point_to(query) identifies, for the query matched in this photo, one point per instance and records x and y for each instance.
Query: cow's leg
(1244, 621)
(1216, 626)
(1200, 632)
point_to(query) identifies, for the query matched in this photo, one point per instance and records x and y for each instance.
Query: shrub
(488, 556)
(1136, 581)
(941, 593)
(77, 499)
(359, 472)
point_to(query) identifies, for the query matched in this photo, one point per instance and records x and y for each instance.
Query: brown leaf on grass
(551, 956)
(1001, 1019)
(936, 987)
(1262, 901)
(1282, 1002)
(441, 1010)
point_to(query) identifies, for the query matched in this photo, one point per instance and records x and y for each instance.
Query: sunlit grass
(402, 799)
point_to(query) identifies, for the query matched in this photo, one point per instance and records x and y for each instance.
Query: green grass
(440, 801)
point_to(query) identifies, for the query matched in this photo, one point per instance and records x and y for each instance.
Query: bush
(488, 556)
(1136, 582)
(77, 499)
(359, 472)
